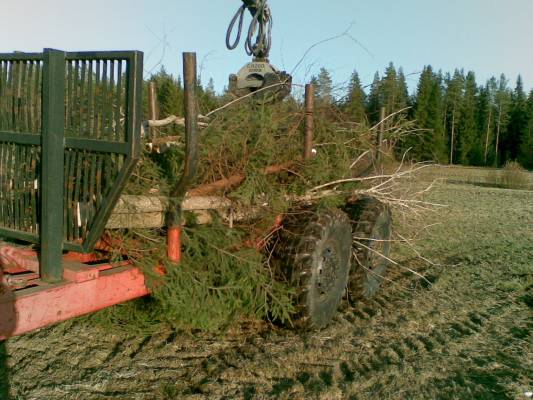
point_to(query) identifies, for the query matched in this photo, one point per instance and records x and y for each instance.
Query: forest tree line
(459, 120)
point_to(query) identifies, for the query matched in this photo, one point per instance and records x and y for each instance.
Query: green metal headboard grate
(84, 106)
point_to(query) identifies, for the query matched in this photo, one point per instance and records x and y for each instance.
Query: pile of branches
(250, 157)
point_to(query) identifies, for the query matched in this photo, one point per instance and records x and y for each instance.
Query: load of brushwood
(228, 272)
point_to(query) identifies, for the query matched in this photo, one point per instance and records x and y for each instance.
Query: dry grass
(512, 177)
(464, 332)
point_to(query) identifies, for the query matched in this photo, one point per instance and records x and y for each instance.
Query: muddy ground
(465, 333)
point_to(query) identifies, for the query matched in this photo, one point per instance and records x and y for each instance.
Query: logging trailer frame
(70, 126)
(70, 136)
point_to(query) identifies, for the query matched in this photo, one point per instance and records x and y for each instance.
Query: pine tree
(503, 103)
(355, 100)
(454, 99)
(487, 112)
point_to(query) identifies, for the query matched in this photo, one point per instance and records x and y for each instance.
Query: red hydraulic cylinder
(174, 244)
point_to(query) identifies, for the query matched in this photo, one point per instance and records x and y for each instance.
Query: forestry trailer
(70, 137)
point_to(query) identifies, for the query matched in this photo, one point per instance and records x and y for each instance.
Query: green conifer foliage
(429, 143)
(518, 123)
(374, 100)
(503, 104)
(526, 145)
(389, 89)
(354, 105)
(454, 100)
(324, 86)
(402, 100)
(169, 93)
(487, 119)
(467, 134)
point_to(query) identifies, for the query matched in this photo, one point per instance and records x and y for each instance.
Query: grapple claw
(263, 80)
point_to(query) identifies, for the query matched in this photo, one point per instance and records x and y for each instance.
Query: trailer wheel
(372, 227)
(319, 265)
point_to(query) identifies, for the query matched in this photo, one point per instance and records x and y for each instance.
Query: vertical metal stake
(309, 121)
(191, 157)
(52, 149)
(191, 125)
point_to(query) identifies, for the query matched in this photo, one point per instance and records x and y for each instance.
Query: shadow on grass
(7, 325)
(4, 376)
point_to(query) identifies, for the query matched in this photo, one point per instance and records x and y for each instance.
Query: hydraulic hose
(259, 37)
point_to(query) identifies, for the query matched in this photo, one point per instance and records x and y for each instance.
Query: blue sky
(486, 36)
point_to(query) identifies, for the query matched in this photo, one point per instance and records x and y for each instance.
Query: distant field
(493, 177)
(465, 333)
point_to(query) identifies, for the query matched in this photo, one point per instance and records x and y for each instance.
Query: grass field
(464, 333)
(488, 177)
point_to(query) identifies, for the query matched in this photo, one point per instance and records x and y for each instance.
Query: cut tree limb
(170, 120)
(173, 119)
(147, 212)
(235, 180)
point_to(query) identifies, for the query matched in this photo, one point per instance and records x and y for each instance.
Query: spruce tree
(169, 93)
(429, 144)
(207, 98)
(375, 100)
(517, 123)
(389, 89)
(393, 90)
(526, 145)
(355, 100)
(324, 86)
(210, 89)
(468, 142)
(402, 100)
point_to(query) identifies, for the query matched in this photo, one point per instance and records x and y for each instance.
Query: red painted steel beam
(17, 259)
(87, 289)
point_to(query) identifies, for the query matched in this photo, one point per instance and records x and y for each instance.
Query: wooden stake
(309, 121)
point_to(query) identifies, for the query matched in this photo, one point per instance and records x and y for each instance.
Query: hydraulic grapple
(259, 79)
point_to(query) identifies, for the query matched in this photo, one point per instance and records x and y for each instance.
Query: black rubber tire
(372, 228)
(318, 265)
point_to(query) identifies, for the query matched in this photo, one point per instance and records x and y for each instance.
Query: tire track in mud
(456, 337)
(357, 352)
(392, 309)
(418, 344)
(218, 365)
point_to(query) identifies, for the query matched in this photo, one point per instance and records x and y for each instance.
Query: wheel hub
(327, 271)
(378, 245)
